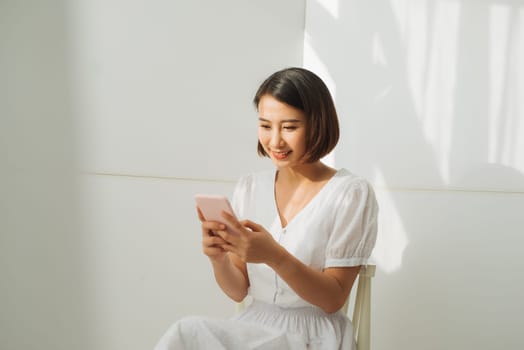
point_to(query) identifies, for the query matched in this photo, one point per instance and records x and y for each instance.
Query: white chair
(361, 310)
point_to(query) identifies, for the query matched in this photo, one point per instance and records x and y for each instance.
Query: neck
(309, 172)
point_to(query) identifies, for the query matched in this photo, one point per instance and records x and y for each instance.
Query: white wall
(43, 301)
(168, 82)
(430, 100)
(163, 91)
(151, 100)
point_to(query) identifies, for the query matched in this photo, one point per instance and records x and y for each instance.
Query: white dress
(337, 228)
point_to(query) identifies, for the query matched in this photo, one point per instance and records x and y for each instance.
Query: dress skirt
(263, 326)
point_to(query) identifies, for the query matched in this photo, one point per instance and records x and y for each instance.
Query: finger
(200, 215)
(210, 229)
(213, 225)
(228, 237)
(210, 251)
(253, 226)
(229, 248)
(213, 241)
(233, 223)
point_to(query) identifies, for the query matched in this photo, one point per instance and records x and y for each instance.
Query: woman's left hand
(250, 241)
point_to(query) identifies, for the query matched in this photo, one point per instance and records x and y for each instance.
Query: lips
(280, 155)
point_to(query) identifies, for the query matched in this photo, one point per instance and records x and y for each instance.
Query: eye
(290, 128)
(265, 126)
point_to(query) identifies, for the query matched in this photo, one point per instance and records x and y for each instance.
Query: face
(281, 131)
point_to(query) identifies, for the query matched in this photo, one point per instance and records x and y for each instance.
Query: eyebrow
(282, 121)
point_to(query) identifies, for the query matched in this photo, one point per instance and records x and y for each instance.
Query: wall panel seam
(446, 189)
(377, 187)
(157, 177)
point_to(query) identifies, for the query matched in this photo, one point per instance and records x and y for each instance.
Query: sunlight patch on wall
(498, 37)
(330, 6)
(377, 51)
(430, 36)
(416, 46)
(506, 54)
(392, 239)
(519, 91)
(400, 10)
(438, 101)
(329, 160)
(378, 57)
(313, 62)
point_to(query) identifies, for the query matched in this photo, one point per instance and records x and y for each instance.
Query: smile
(280, 155)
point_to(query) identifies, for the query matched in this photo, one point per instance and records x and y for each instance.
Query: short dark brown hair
(304, 90)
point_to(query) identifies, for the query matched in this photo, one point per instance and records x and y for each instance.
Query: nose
(276, 139)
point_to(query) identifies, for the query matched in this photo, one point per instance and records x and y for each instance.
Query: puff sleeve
(354, 229)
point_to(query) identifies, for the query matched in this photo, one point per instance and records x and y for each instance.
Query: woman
(313, 227)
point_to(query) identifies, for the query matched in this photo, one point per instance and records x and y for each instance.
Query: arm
(231, 275)
(230, 272)
(326, 289)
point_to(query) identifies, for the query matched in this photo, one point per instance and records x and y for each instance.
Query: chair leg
(364, 324)
(362, 312)
(357, 311)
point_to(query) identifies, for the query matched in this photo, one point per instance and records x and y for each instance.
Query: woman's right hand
(230, 273)
(211, 243)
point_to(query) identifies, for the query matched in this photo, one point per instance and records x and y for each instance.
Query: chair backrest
(361, 311)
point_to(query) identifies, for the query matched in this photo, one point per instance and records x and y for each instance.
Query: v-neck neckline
(308, 204)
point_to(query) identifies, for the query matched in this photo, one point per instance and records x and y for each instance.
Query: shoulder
(348, 181)
(351, 189)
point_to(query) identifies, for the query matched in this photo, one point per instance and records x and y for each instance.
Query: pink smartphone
(212, 206)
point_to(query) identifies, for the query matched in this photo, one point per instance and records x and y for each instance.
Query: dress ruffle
(262, 326)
